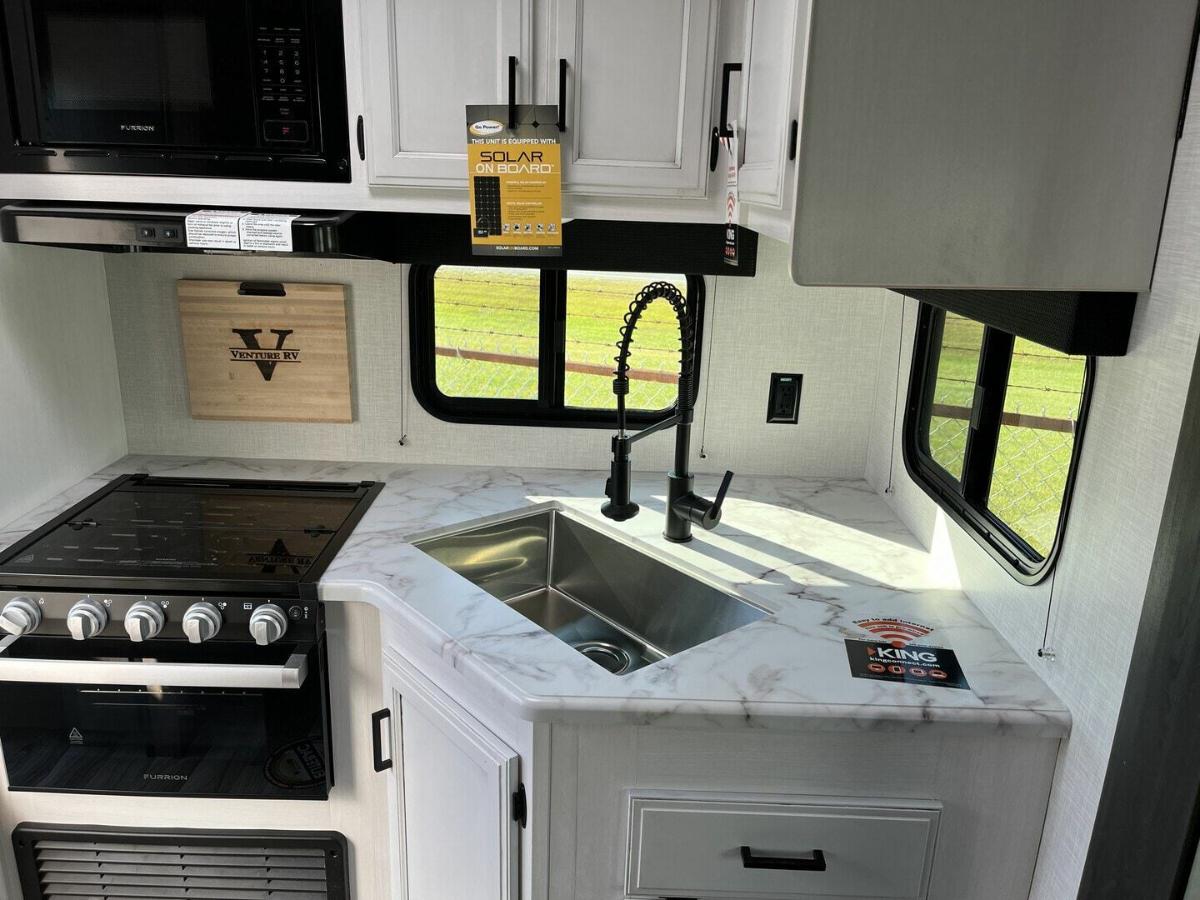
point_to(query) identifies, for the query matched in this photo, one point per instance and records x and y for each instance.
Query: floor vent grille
(66, 863)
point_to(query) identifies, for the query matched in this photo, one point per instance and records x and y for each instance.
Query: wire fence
(1033, 457)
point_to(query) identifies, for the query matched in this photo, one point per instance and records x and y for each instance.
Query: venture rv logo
(265, 358)
(279, 557)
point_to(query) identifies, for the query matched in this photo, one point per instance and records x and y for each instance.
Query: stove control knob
(86, 619)
(201, 622)
(144, 621)
(268, 624)
(20, 616)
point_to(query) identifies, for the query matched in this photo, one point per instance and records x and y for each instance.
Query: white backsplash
(754, 327)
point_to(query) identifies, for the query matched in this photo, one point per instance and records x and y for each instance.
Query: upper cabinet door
(773, 83)
(422, 64)
(638, 93)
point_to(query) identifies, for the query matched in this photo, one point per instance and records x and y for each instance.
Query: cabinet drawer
(691, 847)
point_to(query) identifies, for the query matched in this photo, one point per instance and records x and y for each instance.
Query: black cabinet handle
(362, 139)
(562, 94)
(512, 92)
(722, 129)
(377, 719)
(815, 864)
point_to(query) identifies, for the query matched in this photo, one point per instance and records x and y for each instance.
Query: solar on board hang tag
(515, 180)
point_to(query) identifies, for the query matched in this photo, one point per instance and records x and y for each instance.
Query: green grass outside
(496, 311)
(1032, 464)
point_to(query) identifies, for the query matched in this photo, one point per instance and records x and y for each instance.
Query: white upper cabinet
(638, 91)
(772, 87)
(633, 79)
(1006, 144)
(422, 64)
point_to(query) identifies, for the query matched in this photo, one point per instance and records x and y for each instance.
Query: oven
(220, 88)
(221, 721)
(165, 636)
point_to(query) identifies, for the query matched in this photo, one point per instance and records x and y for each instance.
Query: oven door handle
(289, 676)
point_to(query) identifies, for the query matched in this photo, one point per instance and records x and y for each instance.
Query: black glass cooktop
(242, 531)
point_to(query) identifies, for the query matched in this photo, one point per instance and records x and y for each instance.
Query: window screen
(993, 434)
(596, 307)
(529, 347)
(486, 332)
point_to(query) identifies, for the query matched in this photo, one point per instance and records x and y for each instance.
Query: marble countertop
(816, 554)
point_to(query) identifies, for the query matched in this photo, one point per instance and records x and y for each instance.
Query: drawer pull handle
(815, 864)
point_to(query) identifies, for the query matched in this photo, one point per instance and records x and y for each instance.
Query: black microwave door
(174, 73)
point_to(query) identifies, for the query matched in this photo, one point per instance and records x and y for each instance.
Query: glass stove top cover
(255, 534)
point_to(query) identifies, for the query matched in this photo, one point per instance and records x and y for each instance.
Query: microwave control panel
(283, 96)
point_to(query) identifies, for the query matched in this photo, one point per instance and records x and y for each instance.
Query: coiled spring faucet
(684, 507)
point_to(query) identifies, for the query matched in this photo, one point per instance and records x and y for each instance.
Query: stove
(164, 636)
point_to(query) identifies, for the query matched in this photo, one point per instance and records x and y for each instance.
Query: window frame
(549, 410)
(965, 499)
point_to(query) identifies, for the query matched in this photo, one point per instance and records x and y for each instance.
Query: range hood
(132, 229)
(395, 237)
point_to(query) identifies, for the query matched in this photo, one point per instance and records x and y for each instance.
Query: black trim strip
(1080, 323)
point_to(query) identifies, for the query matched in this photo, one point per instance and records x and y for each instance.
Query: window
(992, 433)
(523, 346)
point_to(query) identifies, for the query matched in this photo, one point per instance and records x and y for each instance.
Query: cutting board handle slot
(262, 289)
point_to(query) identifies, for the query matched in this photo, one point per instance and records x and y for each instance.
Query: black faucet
(684, 507)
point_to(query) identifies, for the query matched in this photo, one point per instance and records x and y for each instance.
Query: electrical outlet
(783, 402)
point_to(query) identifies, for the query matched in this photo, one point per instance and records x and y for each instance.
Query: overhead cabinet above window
(631, 81)
(1024, 144)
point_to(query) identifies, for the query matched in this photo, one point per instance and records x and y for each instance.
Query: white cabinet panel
(423, 63)
(453, 786)
(684, 847)
(776, 33)
(639, 85)
(979, 144)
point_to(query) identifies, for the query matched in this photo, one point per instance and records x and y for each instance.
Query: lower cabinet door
(716, 848)
(452, 797)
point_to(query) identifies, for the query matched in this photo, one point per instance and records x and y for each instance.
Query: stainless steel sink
(616, 604)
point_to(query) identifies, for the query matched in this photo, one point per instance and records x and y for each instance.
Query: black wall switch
(783, 404)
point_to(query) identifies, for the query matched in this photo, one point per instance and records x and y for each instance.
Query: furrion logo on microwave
(266, 358)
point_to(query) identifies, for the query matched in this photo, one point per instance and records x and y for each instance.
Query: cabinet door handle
(377, 720)
(562, 94)
(722, 129)
(512, 92)
(362, 139)
(816, 863)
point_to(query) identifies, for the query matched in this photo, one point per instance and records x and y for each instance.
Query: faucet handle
(712, 515)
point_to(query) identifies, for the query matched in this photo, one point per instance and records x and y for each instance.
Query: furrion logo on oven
(266, 358)
(163, 776)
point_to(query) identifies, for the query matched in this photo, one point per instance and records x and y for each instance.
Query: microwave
(208, 88)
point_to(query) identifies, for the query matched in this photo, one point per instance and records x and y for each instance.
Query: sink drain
(605, 654)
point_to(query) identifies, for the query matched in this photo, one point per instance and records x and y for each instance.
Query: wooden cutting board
(256, 357)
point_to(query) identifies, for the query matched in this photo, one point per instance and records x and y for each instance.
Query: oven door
(222, 726)
(167, 73)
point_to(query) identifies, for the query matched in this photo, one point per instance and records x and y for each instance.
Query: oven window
(106, 62)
